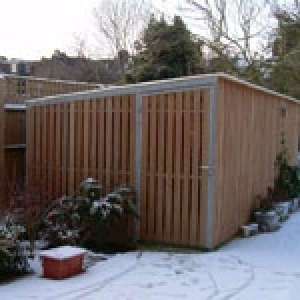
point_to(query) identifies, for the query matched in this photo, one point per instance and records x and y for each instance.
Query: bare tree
(120, 23)
(80, 47)
(233, 26)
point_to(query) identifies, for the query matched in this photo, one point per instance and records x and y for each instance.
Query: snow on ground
(264, 267)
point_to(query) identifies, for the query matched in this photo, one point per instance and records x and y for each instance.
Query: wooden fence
(14, 91)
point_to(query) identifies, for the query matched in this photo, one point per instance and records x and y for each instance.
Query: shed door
(174, 156)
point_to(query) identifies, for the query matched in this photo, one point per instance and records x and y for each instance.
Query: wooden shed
(197, 150)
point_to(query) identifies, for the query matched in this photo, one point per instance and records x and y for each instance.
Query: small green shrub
(287, 180)
(13, 259)
(93, 222)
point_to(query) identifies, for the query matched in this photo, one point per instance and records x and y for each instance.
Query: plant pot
(249, 230)
(295, 203)
(267, 220)
(62, 262)
(282, 209)
(291, 206)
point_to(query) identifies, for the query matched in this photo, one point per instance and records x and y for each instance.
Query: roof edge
(200, 80)
(256, 86)
(129, 89)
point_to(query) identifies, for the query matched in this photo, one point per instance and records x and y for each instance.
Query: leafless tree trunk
(80, 48)
(120, 22)
(232, 25)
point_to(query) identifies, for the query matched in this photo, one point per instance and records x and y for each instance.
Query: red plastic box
(62, 262)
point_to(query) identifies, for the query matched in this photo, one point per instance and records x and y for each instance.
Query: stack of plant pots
(295, 203)
(267, 220)
(274, 208)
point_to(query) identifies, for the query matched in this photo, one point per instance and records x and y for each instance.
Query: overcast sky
(33, 28)
(30, 29)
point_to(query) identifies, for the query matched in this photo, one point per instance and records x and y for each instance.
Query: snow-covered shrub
(13, 259)
(96, 223)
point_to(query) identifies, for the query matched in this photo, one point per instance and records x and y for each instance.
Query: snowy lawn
(264, 267)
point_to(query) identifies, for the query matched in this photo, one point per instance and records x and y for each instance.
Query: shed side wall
(250, 124)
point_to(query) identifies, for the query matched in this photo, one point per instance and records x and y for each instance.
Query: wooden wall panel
(174, 167)
(250, 125)
(79, 140)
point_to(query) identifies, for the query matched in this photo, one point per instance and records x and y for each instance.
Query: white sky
(30, 29)
(33, 28)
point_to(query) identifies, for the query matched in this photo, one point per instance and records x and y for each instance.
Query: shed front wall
(68, 142)
(250, 124)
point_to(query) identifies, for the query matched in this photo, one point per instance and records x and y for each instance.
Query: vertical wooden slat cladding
(78, 140)
(250, 124)
(172, 166)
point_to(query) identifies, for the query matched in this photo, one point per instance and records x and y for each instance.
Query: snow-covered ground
(265, 267)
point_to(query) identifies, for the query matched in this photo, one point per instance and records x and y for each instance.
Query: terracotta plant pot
(62, 262)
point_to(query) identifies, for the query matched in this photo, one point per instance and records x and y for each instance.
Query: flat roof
(174, 84)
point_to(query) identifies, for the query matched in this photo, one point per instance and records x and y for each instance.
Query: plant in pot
(266, 216)
(286, 184)
(294, 188)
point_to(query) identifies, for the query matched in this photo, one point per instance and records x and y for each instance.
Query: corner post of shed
(138, 156)
(211, 182)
